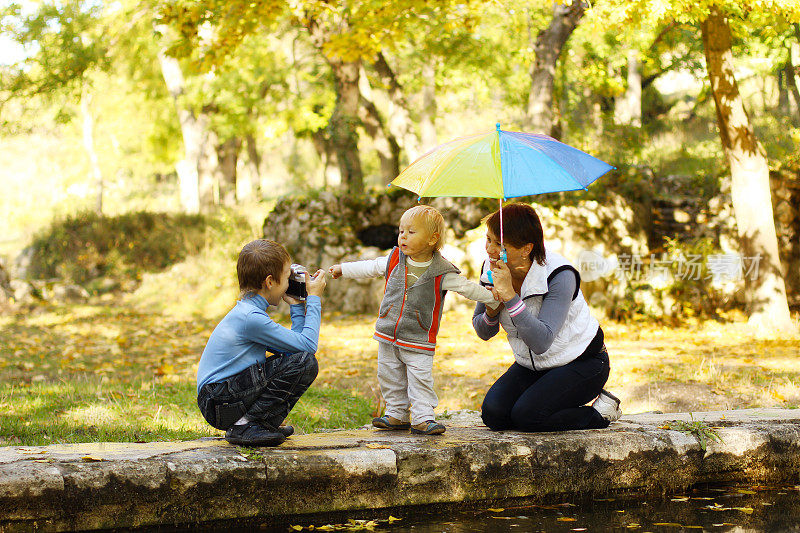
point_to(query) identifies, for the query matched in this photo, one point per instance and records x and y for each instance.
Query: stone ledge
(124, 485)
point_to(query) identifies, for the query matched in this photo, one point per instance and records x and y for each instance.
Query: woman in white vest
(561, 363)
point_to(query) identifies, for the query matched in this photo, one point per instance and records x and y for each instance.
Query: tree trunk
(784, 106)
(344, 121)
(191, 131)
(549, 43)
(253, 166)
(228, 156)
(427, 117)
(791, 84)
(750, 190)
(385, 143)
(330, 174)
(628, 108)
(399, 123)
(208, 168)
(88, 145)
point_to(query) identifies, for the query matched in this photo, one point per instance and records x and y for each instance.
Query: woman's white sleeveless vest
(579, 328)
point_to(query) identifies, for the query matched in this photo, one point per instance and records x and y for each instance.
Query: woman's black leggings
(549, 400)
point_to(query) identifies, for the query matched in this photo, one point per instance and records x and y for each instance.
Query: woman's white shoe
(608, 406)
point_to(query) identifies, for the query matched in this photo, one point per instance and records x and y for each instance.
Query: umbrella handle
(503, 254)
(501, 222)
(503, 258)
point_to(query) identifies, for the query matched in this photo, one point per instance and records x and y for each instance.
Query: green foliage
(65, 38)
(88, 409)
(690, 287)
(209, 31)
(86, 246)
(329, 407)
(697, 428)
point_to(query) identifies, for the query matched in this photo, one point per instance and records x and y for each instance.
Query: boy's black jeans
(265, 392)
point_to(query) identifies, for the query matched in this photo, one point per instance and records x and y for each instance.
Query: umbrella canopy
(501, 164)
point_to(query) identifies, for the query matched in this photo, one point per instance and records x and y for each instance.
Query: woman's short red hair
(521, 226)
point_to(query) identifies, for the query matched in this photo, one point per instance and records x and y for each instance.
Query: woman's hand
(502, 281)
(491, 313)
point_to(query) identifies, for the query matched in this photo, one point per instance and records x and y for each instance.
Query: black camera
(297, 282)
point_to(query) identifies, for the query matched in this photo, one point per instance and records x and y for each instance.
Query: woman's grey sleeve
(539, 332)
(485, 327)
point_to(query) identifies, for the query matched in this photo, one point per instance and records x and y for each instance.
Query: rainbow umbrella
(501, 164)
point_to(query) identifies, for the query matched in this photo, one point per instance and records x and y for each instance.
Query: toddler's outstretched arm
(335, 271)
(469, 289)
(367, 268)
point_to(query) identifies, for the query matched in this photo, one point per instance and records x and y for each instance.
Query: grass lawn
(111, 373)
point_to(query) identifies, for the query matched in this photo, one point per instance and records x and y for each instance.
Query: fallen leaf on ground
(29, 451)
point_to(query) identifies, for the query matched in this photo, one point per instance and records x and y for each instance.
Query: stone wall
(601, 237)
(326, 229)
(17, 295)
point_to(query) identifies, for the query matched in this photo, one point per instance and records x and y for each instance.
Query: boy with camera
(239, 388)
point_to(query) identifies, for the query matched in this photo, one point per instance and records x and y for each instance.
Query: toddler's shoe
(608, 406)
(287, 431)
(430, 427)
(253, 434)
(390, 422)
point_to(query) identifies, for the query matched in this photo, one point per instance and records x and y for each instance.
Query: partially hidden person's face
(415, 239)
(517, 257)
(278, 288)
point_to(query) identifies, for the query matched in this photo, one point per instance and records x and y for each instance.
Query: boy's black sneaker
(287, 431)
(253, 434)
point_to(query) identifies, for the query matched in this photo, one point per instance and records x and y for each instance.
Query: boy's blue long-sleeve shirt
(247, 332)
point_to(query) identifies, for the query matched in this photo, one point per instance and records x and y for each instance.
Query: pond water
(705, 508)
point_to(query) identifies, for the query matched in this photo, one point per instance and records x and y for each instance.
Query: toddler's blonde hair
(431, 219)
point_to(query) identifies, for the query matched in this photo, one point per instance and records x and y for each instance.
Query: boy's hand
(315, 285)
(291, 301)
(335, 271)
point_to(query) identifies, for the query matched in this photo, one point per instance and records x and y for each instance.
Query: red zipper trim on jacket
(403, 304)
(404, 343)
(394, 259)
(437, 305)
